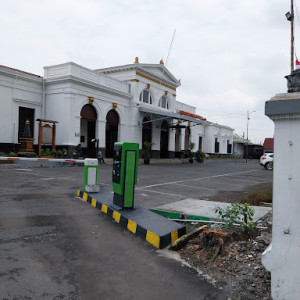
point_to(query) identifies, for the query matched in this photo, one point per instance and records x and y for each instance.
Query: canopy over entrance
(161, 115)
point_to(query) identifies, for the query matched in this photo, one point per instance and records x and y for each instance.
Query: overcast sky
(231, 55)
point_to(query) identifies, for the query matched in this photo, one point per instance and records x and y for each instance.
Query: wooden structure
(26, 141)
(47, 134)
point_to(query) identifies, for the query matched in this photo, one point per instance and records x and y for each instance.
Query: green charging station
(124, 173)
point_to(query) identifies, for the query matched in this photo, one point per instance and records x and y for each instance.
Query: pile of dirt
(231, 260)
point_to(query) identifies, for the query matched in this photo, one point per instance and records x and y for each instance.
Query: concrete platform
(155, 229)
(194, 209)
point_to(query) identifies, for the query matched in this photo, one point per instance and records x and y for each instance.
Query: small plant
(46, 152)
(2, 154)
(53, 152)
(12, 154)
(237, 213)
(59, 153)
(192, 146)
(147, 149)
(209, 256)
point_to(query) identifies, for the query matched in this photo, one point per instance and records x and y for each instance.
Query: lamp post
(290, 17)
(248, 118)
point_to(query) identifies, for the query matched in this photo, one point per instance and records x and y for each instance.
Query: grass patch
(261, 196)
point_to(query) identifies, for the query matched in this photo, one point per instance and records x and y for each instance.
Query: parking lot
(53, 246)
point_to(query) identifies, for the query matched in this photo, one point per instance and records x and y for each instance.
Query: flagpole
(292, 36)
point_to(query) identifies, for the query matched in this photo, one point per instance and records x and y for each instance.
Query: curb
(173, 215)
(159, 241)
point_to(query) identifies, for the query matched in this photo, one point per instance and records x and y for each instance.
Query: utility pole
(292, 36)
(290, 17)
(247, 141)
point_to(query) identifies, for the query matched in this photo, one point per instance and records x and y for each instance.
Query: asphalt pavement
(54, 246)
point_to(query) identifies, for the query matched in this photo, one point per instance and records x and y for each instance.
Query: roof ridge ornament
(136, 61)
(162, 62)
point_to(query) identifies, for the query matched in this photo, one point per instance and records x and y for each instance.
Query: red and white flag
(297, 64)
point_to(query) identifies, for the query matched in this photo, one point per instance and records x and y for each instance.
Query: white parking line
(157, 192)
(248, 180)
(221, 183)
(197, 187)
(195, 179)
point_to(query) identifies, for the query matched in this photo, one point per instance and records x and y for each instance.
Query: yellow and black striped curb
(158, 239)
(178, 244)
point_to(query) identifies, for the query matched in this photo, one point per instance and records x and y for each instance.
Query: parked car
(267, 161)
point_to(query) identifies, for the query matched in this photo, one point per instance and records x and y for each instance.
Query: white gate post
(282, 257)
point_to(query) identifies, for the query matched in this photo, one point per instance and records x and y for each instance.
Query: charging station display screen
(116, 173)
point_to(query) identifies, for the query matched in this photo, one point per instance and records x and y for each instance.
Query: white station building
(129, 103)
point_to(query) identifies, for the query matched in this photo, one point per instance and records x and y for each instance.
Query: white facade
(109, 93)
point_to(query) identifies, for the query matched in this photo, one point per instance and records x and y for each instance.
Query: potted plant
(147, 152)
(192, 154)
(47, 153)
(59, 154)
(65, 153)
(200, 156)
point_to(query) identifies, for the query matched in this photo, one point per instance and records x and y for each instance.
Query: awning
(169, 115)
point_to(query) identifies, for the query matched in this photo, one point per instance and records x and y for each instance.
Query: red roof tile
(269, 143)
(20, 71)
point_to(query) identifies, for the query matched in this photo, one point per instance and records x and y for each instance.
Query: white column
(100, 133)
(156, 136)
(171, 140)
(182, 137)
(282, 257)
(69, 130)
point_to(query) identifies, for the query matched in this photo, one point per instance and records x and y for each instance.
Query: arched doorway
(112, 123)
(187, 139)
(164, 140)
(146, 131)
(88, 130)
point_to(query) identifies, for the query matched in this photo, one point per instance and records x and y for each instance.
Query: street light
(248, 118)
(290, 17)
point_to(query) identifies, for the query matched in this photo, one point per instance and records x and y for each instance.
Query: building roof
(157, 71)
(19, 71)
(269, 143)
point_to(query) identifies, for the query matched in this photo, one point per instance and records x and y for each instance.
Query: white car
(267, 161)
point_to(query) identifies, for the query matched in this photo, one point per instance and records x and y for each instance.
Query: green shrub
(147, 149)
(192, 146)
(12, 154)
(46, 152)
(59, 153)
(237, 213)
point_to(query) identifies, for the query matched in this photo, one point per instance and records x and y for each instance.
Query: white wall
(17, 89)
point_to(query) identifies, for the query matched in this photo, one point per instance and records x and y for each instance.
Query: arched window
(163, 102)
(145, 97)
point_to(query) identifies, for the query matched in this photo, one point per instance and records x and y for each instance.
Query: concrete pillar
(281, 258)
(100, 132)
(182, 137)
(171, 143)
